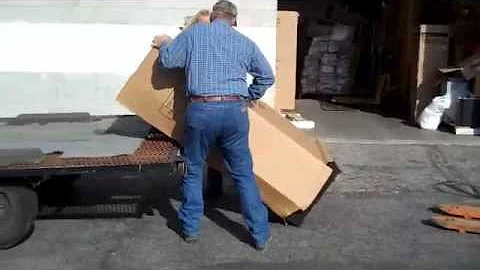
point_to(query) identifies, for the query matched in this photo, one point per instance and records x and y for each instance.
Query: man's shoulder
(198, 28)
(244, 38)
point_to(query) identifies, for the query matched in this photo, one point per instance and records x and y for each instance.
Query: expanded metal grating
(150, 152)
(92, 211)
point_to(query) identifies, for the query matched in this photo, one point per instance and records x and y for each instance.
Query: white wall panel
(74, 56)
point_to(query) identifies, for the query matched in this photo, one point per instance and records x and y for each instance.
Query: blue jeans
(226, 125)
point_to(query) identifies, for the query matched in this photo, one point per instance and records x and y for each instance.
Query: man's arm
(262, 74)
(173, 53)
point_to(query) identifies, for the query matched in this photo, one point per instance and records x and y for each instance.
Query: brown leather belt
(215, 98)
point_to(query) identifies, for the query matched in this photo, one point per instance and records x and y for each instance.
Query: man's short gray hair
(226, 7)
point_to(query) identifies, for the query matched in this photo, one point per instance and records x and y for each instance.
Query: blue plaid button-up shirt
(216, 59)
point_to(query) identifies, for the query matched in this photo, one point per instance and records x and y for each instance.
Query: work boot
(190, 239)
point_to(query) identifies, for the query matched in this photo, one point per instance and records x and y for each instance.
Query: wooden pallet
(458, 224)
(465, 211)
(461, 218)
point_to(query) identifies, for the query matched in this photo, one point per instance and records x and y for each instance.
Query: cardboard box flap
(158, 97)
(309, 143)
(277, 202)
(274, 145)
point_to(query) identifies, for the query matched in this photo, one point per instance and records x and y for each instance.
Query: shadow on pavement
(458, 188)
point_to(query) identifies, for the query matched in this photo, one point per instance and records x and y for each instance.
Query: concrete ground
(372, 216)
(337, 124)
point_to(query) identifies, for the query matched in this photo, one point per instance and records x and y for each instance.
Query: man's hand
(160, 40)
(256, 103)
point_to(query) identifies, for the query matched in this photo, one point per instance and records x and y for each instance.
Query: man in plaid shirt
(216, 59)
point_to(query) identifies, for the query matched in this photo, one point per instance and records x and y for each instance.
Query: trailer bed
(151, 152)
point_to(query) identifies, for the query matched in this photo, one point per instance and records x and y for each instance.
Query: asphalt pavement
(373, 216)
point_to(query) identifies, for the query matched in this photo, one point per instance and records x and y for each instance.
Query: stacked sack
(329, 62)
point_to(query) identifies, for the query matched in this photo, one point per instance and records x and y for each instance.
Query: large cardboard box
(289, 165)
(432, 55)
(286, 65)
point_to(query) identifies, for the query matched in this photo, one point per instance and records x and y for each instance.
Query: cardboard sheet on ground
(289, 165)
